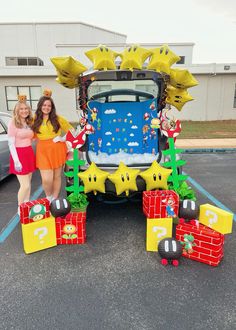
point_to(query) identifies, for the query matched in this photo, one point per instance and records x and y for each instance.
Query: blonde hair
(16, 117)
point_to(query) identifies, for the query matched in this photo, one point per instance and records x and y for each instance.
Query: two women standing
(51, 150)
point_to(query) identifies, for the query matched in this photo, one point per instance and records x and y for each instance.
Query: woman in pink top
(22, 158)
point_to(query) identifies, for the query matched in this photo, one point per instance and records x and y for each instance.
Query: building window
(19, 61)
(33, 94)
(182, 60)
(235, 96)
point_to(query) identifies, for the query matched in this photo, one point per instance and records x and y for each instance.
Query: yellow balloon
(156, 176)
(124, 179)
(102, 57)
(133, 57)
(67, 82)
(68, 66)
(177, 97)
(182, 78)
(93, 179)
(162, 58)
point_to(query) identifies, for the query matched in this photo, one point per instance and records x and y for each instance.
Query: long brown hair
(52, 116)
(16, 117)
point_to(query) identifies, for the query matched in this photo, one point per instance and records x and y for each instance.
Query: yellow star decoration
(162, 58)
(156, 176)
(102, 57)
(124, 179)
(133, 57)
(67, 82)
(177, 97)
(182, 78)
(68, 66)
(93, 179)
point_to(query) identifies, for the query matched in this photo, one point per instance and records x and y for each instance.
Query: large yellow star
(102, 57)
(177, 97)
(162, 58)
(93, 179)
(124, 179)
(68, 66)
(182, 78)
(67, 82)
(156, 176)
(133, 57)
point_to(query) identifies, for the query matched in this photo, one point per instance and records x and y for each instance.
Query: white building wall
(64, 98)
(40, 39)
(213, 99)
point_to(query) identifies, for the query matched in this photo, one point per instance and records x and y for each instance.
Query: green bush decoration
(78, 201)
(184, 191)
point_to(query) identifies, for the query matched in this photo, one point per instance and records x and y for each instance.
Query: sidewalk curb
(208, 150)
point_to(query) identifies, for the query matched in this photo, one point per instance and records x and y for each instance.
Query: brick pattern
(77, 219)
(25, 210)
(209, 243)
(155, 203)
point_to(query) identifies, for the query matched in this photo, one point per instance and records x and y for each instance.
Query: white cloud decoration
(110, 111)
(133, 144)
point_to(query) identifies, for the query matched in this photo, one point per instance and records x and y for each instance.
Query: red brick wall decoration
(160, 204)
(209, 243)
(26, 214)
(71, 229)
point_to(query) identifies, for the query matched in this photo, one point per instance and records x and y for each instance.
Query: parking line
(204, 192)
(6, 231)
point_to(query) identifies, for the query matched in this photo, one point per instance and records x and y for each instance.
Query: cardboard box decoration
(216, 218)
(33, 211)
(157, 229)
(71, 229)
(39, 235)
(207, 246)
(160, 204)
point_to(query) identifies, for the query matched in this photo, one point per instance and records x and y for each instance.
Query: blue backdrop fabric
(123, 126)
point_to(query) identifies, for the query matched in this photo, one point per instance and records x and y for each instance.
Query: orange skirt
(50, 155)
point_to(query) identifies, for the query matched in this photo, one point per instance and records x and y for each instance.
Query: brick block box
(209, 243)
(71, 229)
(160, 204)
(25, 211)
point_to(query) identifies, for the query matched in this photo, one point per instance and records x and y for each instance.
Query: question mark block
(39, 235)
(216, 218)
(157, 229)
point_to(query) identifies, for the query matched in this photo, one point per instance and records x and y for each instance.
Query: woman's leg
(56, 182)
(25, 185)
(27, 197)
(47, 181)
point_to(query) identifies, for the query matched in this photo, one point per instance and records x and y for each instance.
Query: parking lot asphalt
(111, 281)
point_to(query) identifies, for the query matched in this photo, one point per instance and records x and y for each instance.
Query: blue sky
(210, 24)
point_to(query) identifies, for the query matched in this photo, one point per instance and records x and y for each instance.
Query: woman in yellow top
(51, 150)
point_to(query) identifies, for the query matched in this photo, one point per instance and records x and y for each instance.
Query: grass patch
(208, 129)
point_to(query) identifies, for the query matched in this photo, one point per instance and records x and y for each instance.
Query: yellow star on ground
(162, 58)
(102, 58)
(156, 176)
(124, 179)
(177, 97)
(134, 57)
(68, 66)
(93, 179)
(182, 78)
